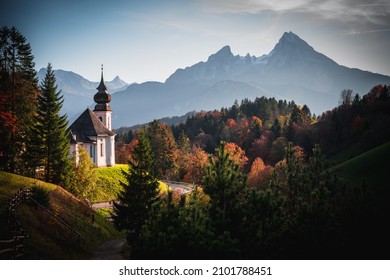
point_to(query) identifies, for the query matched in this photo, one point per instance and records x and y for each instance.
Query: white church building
(92, 130)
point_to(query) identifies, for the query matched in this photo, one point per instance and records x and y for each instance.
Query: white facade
(104, 151)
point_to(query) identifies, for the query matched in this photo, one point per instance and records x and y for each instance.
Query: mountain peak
(290, 36)
(117, 79)
(291, 40)
(223, 54)
(292, 48)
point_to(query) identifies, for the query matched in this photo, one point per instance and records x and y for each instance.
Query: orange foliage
(236, 154)
(230, 123)
(197, 162)
(256, 120)
(9, 121)
(259, 174)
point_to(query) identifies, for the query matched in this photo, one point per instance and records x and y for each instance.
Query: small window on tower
(101, 149)
(101, 119)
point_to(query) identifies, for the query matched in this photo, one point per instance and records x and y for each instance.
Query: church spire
(101, 86)
(102, 97)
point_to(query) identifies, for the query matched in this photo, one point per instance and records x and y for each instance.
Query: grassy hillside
(49, 238)
(372, 167)
(109, 183)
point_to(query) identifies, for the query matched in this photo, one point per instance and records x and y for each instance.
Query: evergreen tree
(18, 91)
(177, 230)
(223, 182)
(49, 144)
(184, 150)
(164, 149)
(139, 193)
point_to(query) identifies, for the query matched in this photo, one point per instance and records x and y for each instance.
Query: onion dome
(102, 97)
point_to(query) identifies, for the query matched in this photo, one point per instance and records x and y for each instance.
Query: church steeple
(102, 97)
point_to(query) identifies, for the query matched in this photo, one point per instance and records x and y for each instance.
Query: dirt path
(110, 250)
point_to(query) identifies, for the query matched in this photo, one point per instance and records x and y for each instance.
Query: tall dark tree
(49, 144)
(223, 182)
(139, 193)
(164, 148)
(18, 91)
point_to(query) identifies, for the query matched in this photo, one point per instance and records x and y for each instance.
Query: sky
(148, 40)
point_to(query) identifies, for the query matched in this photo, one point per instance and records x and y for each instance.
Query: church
(92, 130)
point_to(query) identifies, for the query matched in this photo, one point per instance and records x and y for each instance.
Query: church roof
(87, 125)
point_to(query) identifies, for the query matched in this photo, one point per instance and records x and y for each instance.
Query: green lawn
(371, 167)
(346, 154)
(109, 183)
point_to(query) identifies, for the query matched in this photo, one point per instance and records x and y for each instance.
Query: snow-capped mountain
(78, 92)
(293, 70)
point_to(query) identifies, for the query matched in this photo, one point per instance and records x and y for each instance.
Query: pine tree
(139, 193)
(49, 144)
(18, 91)
(164, 149)
(223, 182)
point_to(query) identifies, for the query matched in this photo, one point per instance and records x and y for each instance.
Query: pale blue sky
(148, 40)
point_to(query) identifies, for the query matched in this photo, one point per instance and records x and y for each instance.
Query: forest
(264, 185)
(263, 171)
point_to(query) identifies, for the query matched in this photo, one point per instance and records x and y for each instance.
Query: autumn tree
(139, 192)
(84, 177)
(49, 144)
(236, 154)
(197, 163)
(259, 174)
(18, 91)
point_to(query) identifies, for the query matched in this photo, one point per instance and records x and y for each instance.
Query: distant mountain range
(293, 70)
(78, 92)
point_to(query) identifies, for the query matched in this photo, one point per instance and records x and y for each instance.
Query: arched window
(101, 119)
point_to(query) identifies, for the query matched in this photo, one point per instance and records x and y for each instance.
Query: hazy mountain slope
(78, 92)
(293, 70)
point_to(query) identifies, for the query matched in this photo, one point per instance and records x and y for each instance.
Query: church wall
(101, 152)
(110, 150)
(89, 147)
